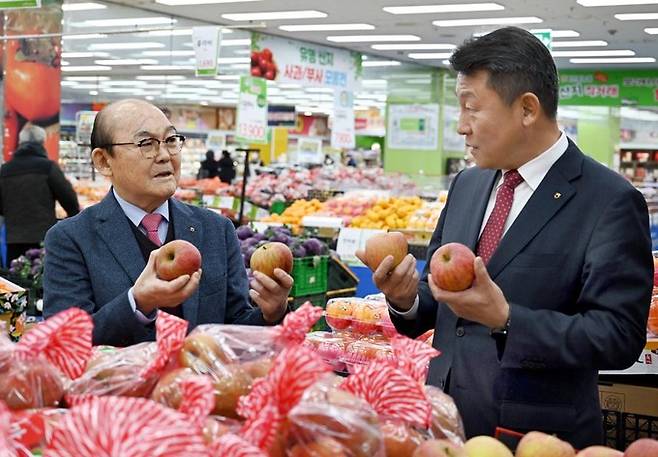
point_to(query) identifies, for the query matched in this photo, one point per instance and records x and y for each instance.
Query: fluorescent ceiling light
(84, 36)
(636, 16)
(320, 90)
(606, 53)
(123, 46)
(236, 42)
(85, 68)
(651, 31)
(380, 63)
(325, 27)
(412, 47)
(69, 83)
(578, 44)
(559, 33)
(228, 77)
(166, 67)
(616, 2)
(87, 78)
(149, 97)
(160, 78)
(82, 6)
(82, 55)
(370, 38)
(63, 63)
(168, 53)
(455, 8)
(224, 60)
(240, 66)
(488, 21)
(618, 60)
(374, 82)
(429, 55)
(93, 92)
(199, 2)
(275, 15)
(84, 86)
(172, 32)
(126, 62)
(445, 62)
(131, 21)
(123, 83)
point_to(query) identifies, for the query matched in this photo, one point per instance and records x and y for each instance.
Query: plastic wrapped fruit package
(358, 315)
(330, 347)
(366, 350)
(446, 420)
(400, 439)
(331, 422)
(132, 371)
(34, 372)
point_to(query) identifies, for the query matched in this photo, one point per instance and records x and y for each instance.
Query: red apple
(538, 444)
(270, 256)
(177, 258)
(439, 448)
(338, 314)
(452, 267)
(366, 318)
(644, 447)
(384, 244)
(600, 451)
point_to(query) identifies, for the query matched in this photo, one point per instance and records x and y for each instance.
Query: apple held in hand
(177, 258)
(538, 444)
(384, 244)
(452, 267)
(270, 256)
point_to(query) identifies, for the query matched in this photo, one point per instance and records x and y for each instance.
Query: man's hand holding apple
(271, 294)
(151, 292)
(398, 283)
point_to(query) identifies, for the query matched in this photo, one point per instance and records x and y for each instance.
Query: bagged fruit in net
(329, 421)
(134, 370)
(35, 371)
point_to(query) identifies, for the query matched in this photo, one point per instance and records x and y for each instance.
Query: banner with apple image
(32, 73)
(252, 111)
(308, 64)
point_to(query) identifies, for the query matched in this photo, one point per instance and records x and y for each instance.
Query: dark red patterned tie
(151, 222)
(493, 231)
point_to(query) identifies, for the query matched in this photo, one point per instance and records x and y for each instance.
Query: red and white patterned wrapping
(296, 325)
(198, 399)
(33, 372)
(32, 428)
(391, 392)
(7, 444)
(231, 445)
(131, 371)
(124, 427)
(413, 357)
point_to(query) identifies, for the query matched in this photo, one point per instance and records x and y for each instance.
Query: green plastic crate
(310, 275)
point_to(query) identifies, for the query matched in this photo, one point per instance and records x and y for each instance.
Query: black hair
(101, 135)
(516, 62)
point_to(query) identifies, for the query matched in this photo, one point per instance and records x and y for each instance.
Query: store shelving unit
(639, 162)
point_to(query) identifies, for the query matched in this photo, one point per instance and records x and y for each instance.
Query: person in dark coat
(30, 184)
(209, 167)
(226, 168)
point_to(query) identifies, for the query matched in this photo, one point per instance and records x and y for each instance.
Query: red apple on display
(486, 446)
(644, 447)
(384, 244)
(538, 444)
(177, 258)
(599, 451)
(452, 267)
(270, 256)
(439, 448)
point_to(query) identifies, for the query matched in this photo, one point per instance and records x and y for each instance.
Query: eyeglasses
(149, 147)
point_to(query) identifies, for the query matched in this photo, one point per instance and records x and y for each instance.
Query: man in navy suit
(103, 260)
(563, 277)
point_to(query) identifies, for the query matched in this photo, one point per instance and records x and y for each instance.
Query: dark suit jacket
(576, 268)
(93, 259)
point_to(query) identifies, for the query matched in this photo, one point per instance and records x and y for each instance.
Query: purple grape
(243, 232)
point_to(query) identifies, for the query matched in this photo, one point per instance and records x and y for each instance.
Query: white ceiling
(591, 23)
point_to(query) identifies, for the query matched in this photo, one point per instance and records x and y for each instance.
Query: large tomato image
(32, 88)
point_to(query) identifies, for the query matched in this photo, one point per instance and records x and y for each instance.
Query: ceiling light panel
(651, 31)
(160, 77)
(606, 53)
(430, 55)
(454, 8)
(85, 6)
(325, 27)
(371, 38)
(412, 47)
(637, 16)
(83, 55)
(172, 53)
(166, 67)
(124, 46)
(83, 36)
(275, 15)
(615, 61)
(616, 2)
(129, 21)
(578, 44)
(200, 2)
(126, 62)
(488, 21)
(380, 63)
(81, 68)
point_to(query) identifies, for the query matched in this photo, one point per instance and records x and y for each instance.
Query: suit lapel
(482, 190)
(112, 226)
(552, 194)
(188, 229)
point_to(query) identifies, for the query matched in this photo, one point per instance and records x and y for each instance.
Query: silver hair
(32, 133)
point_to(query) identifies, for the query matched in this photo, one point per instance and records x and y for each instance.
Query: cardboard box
(629, 399)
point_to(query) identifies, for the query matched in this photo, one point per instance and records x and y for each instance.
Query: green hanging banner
(14, 4)
(609, 88)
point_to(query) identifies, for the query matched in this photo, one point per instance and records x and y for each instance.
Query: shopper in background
(103, 260)
(210, 167)
(30, 184)
(565, 292)
(226, 168)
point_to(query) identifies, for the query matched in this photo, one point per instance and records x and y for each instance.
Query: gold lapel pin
(557, 195)
(192, 229)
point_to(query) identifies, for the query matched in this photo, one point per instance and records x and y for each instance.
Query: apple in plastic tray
(338, 314)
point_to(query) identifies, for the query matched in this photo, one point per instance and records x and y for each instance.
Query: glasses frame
(139, 145)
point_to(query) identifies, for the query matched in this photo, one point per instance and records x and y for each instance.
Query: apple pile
(262, 64)
(177, 258)
(451, 267)
(347, 207)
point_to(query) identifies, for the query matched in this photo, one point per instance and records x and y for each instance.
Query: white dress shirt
(533, 173)
(136, 214)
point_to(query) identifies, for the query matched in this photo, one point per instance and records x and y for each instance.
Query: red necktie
(493, 231)
(151, 222)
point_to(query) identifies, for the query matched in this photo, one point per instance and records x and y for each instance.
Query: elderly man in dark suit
(103, 260)
(563, 277)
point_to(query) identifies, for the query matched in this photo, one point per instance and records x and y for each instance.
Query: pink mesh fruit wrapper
(34, 371)
(134, 370)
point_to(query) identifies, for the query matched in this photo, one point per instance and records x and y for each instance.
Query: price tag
(226, 202)
(349, 240)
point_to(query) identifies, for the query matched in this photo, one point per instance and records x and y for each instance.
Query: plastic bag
(446, 420)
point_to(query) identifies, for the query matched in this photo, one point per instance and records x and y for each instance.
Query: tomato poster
(31, 69)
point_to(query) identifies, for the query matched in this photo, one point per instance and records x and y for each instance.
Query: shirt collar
(534, 171)
(135, 213)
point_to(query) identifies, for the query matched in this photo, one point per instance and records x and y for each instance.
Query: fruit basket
(310, 275)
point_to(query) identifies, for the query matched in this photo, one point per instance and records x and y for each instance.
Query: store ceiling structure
(159, 64)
